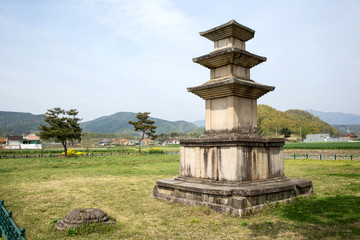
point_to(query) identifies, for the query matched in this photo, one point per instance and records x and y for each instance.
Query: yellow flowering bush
(71, 152)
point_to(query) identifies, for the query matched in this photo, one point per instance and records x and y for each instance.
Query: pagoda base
(234, 199)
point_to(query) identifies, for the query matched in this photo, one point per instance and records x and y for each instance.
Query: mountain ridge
(270, 121)
(336, 118)
(106, 124)
(17, 123)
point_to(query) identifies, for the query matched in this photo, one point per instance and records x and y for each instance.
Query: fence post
(335, 156)
(350, 157)
(320, 157)
(294, 155)
(307, 156)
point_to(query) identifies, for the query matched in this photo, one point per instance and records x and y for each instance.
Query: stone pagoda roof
(229, 29)
(231, 55)
(231, 86)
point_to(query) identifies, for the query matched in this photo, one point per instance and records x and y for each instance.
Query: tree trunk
(142, 137)
(65, 147)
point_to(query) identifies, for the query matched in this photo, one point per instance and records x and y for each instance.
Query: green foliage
(62, 126)
(88, 228)
(54, 221)
(156, 151)
(270, 120)
(194, 220)
(286, 132)
(71, 232)
(144, 125)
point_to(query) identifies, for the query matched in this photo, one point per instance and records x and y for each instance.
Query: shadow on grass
(313, 217)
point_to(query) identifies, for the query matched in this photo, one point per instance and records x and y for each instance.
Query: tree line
(63, 126)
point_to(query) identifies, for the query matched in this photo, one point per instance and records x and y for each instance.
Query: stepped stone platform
(234, 199)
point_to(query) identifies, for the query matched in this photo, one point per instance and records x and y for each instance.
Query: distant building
(352, 136)
(28, 141)
(173, 141)
(2, 143)
(123, 142)
(105, 142)
(147, 142)
(325, 137)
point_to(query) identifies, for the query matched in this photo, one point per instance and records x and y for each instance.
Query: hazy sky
(107, 56)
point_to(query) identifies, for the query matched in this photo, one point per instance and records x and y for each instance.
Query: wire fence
(49, 155)
(322, 156)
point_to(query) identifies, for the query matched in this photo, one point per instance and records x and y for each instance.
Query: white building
(28, 141)
(324, 137)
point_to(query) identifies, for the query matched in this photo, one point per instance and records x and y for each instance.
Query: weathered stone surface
(232, 159)
(231, 55)
(229, 29)
(231, 86)
(231, 169)
(235, 199)
(77, 217)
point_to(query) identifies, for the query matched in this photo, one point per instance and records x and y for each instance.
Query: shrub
(71, 152)
(156, 151)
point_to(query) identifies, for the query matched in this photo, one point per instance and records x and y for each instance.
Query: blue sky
(107, 56)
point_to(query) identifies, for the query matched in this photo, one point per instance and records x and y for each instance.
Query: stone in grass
(77, 217)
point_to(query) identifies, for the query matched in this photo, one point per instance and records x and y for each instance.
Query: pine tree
(62, 126)
(144, 125)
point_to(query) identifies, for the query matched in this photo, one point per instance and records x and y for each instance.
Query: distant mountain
(353, 128)
(118, 123)
(270, 122)
(336, 118)
(17, 123)
(199, 123)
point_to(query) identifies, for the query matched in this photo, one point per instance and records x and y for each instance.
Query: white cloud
(143, 22)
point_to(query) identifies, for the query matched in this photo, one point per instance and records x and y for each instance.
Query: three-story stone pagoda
(231, 169)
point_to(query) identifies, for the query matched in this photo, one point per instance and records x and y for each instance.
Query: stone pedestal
(231, 169)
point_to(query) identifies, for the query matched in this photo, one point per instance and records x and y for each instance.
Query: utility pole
(300, 133)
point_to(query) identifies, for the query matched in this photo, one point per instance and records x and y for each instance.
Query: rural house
(28, 141)
(352, 136)
(123, 142)
(2, 143)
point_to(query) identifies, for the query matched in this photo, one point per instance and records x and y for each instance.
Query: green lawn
(41, 190)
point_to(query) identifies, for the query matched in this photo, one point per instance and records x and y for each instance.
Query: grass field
(41, 190)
